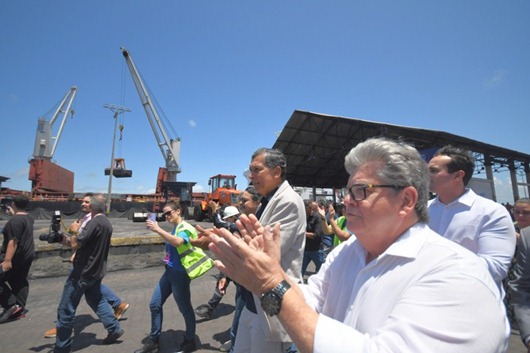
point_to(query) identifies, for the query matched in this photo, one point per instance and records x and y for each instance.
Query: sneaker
(113, 337)
(51, 333)
(150, 345)
(120, 310)
(189, 345)
(205, 311)
(225, 347)
(10, 313)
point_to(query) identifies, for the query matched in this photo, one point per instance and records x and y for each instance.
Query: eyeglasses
(167, 213)
(521, 213)
(358, 191)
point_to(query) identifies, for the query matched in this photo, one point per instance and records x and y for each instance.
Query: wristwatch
(271, 301)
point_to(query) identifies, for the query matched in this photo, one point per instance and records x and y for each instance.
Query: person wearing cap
(228, 218)
(230, 215)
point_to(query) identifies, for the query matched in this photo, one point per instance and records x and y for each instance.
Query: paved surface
(134, 286)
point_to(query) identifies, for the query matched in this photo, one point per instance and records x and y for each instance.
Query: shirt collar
(467, 199)
(407, 245)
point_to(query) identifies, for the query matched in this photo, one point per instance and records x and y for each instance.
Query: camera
(5, 204)
(53, 236)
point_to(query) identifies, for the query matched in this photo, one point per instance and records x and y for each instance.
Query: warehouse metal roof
(315, 146)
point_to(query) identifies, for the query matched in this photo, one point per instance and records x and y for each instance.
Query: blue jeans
(315, 256)
(178, 283)
(73, 291)
(110, 296)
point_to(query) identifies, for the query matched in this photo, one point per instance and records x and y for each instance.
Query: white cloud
(198, 188)
(192, 123)
(503, 188)
(495, 80)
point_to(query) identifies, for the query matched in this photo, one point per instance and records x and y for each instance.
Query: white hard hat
(230, 211)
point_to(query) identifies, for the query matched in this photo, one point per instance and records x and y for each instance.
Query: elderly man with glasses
(397, 287)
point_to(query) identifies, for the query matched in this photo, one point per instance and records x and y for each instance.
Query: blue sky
(229, 74)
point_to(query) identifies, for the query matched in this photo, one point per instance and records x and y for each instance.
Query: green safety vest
(341, 222)
(194, 260)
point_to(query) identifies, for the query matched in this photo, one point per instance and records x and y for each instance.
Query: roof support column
(489, 176)
(513, 179)
(527, 175)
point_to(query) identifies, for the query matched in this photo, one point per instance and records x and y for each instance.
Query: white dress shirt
(84, 221)
(479, 225)
(423, 294)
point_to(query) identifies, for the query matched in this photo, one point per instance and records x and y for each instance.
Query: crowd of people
(396, 270)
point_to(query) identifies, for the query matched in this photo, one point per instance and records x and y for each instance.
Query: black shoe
(150, 345)
(113, 337)
(205, 311)
(189, 345)
(10, 313)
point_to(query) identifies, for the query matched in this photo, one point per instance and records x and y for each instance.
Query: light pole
(117, 111)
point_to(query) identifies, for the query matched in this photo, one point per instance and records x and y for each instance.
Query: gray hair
(273, 158)
(402, 165)
(97, 203)
(523, 200)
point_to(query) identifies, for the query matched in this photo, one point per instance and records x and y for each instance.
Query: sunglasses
(168, 213)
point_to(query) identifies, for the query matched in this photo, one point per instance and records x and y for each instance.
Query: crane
(45, 175)
(170, 148)
(45, 143)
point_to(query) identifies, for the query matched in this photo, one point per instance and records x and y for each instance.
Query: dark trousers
(14, 285)
(217, 295)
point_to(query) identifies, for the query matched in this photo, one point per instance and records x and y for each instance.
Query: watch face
(270, 303)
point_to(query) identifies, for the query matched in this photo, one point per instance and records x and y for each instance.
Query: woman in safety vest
(183, 262)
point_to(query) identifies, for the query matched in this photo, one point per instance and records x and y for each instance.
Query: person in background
(118, 306)
(313, 240)
(521, 213)
(398, 287)
(249, 201)
(509, 208)
(327, 236)
(519, 284)
(16, 257)
(458, 214)
(230, 215)
(90, 266)
(337, 226)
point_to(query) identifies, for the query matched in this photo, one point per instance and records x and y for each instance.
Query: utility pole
(117, 111)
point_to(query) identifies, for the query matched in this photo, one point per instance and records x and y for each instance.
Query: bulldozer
(223, 189)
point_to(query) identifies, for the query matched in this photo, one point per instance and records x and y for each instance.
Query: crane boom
(170, 148)
(45, 143)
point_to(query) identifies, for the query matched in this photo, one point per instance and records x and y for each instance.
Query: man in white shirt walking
(457, 213)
